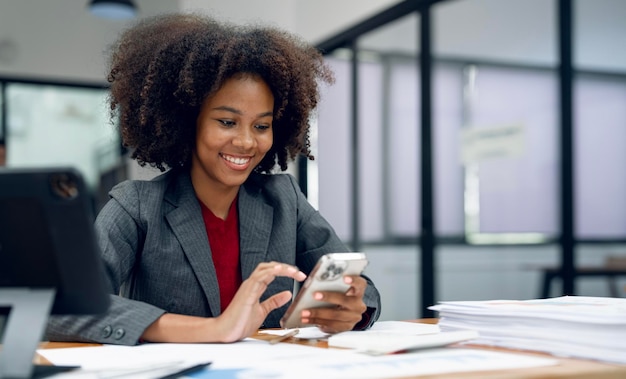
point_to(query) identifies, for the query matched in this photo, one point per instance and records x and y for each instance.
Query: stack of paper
(569, 326)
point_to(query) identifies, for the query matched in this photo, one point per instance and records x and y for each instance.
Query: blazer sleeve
(120, 235)
(317, 237)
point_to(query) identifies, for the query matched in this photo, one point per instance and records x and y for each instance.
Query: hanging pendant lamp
(113, 9)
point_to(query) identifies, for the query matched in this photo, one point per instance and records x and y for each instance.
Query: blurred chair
(615, 263)
(613, 267)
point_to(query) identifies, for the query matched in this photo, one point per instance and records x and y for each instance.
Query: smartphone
(327, 275)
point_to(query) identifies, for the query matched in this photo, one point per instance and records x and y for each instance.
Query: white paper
(567, 326)
(381, 342)
(481, 143)
(405, 327)
(246, 353)
(394, 327)
(355, 366)
(259, 359)
(312, 332)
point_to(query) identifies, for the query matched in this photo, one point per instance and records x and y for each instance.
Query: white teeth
(237, 161)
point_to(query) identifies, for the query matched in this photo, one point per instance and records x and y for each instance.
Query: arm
(122, 234)
(242, 318)
(119, 236)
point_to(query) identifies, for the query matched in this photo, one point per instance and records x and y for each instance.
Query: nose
(244, 138)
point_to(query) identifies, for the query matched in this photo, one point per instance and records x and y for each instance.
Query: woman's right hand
(245, 314)
(242, 318)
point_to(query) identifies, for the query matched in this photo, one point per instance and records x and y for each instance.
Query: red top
(224, 242)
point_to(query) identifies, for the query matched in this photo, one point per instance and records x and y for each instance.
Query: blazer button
(107, 331)
(119, 333)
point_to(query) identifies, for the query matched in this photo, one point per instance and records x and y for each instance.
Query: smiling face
(234, 132)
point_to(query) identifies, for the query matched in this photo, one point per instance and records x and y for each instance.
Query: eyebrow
(237, 111)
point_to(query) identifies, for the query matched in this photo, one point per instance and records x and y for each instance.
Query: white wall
(313, 20)
(59, 39)
(276, 12)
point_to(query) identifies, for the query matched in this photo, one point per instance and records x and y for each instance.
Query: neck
(217, 199)
(219, 206)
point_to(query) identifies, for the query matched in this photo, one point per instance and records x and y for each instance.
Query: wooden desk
(568, 368)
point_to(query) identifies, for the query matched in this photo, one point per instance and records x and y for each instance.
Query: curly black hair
(163, 68)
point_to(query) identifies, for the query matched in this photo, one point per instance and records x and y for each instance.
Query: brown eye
(228, 123)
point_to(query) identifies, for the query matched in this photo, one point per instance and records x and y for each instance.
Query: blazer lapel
(255, 227)
(188, 226)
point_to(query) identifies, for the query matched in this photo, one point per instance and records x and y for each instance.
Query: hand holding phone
(327, 275)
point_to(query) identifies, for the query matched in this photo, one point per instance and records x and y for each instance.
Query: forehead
(246, 91)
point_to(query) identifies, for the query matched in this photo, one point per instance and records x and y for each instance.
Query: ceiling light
(113, 9)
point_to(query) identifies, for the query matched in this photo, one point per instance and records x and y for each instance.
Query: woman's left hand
(348, 310)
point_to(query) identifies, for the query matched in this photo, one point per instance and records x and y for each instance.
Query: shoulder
(133, 192)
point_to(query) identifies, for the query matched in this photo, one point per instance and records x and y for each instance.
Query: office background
(495, 68)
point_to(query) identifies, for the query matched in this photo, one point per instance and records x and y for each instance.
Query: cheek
(208, 138)
(266, 142)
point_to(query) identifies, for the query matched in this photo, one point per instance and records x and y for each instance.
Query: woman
(209, 250)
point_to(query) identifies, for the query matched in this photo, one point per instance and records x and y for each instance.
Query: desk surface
(568, 368)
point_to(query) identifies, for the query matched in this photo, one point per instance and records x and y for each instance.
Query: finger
(351, 302)
(280, 269)
(276, 301)
(291, 271)
(357, 285)
(331, 320)
(348, 312)
(266, 272)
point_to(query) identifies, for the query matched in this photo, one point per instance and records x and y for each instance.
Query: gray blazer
(157, 255)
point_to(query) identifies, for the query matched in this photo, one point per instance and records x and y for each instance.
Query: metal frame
(25, 326)
(428, 240)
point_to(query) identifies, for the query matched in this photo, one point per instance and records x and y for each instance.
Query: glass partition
(503, 117)
(501, 164)
(520, 32)
(3, 153)
(48, 125)
(600, 119)
(331, 146)
(388, 128)
(389, 132)
(599, 32)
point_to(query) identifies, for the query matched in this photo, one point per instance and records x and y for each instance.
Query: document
(246, 353)
(387, 337)
(380, 343)
(259, 359)
(312, 332)
(568, 326)
(392, 327)
(358, 366)
(252, 358)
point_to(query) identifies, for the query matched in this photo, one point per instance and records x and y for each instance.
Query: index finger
(284, 269)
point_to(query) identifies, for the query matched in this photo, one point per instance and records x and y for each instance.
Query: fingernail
(318, 296)
(306, 313)
(347, 279)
